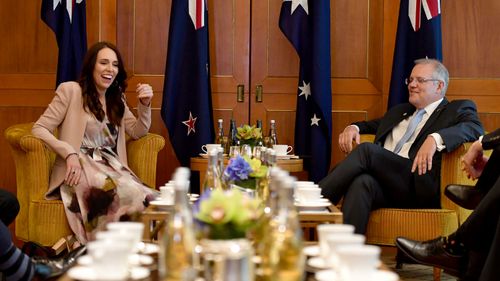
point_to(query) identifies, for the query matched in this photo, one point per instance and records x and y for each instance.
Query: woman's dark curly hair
(115, 106)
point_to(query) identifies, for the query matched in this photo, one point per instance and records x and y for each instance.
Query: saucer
(161, 203)
(384, 275)
(326, 275)
(148, 248)
(86, 273)
(134, 259)
(312, 205)
(312, 251)
(317, 262)
(286, 157)
(205, 155)
(319, 200)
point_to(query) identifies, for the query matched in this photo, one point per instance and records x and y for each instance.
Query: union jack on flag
(432, 8)
(197, 12)
(417, 37)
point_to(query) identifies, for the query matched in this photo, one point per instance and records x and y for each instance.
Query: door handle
(258, 93)
(240, 93)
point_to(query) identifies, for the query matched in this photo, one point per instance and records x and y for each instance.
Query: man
(401, 169)
(9, 207)
(473, 251)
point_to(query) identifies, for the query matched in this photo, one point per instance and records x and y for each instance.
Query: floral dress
(108, 191)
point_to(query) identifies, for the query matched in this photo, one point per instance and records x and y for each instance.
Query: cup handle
(204, 149)
(289, 149)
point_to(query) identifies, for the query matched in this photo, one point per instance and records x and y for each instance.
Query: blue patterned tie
(410, 130)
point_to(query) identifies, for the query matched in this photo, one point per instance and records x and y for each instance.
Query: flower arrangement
(227, 214)
(244, 171)
(249, 135)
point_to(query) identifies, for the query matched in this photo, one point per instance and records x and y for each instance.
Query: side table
(200, 164)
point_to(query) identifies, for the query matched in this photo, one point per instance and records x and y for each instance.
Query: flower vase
(227, 260)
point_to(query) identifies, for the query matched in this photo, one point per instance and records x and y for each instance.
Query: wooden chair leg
(436, 274)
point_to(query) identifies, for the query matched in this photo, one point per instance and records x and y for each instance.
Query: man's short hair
(440, 71)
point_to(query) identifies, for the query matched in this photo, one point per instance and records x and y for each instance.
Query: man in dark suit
(473, 251)
(401, 168)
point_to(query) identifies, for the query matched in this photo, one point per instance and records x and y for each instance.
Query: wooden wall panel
(470, 40)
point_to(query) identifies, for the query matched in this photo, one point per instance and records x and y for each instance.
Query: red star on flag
(190, 123)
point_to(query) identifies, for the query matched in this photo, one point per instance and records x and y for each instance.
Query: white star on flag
(305, 89)
(190, 123)
(297, 3)
(69, 6)
(315, 120)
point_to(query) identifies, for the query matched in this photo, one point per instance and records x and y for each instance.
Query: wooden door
(274, 68)
(229, 31)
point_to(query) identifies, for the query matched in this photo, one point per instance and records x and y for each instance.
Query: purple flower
(238, 169)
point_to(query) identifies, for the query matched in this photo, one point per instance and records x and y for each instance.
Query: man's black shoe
(464, 196)
(47, 268)
(432, 253)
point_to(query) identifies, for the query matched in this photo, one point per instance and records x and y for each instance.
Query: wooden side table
(200, 164)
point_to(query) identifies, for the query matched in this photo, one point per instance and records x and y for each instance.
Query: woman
(90, 172)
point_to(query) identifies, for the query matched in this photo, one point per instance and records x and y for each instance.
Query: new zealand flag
(418, 36)
(68, 21)
(187, 104)
(306, 24)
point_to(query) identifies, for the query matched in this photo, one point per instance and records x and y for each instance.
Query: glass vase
(227, 260)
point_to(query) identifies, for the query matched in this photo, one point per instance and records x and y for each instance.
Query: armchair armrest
(142, 156)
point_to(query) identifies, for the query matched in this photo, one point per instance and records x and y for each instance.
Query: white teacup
(206, 148)
(282, 149)
(358, 262)
(167, 193)
(308, 193)
(327, 230)
(123, 237)
(109, 259)
(134, 228)
(335, 241)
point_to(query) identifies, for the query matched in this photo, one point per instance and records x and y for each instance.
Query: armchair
(44, 221)
(386, 224)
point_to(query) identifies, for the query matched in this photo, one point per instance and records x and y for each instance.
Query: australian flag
(68, 21)
(418, 36)
(306, 24)
(187, 105)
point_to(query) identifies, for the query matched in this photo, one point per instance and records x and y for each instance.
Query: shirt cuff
(354, 126)
(439, 141)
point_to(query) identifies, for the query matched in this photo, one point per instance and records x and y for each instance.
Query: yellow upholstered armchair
(422, 224)
(44, 221)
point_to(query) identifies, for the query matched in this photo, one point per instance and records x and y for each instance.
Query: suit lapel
(396, 119)
(432, 119)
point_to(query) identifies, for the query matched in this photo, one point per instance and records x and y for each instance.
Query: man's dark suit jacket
(456, 121)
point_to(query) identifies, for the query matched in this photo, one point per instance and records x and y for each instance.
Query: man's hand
(423, 160)
(474, 160)
(349, 134)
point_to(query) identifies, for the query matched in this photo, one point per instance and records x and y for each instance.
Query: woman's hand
(144, 93)
(73, 170)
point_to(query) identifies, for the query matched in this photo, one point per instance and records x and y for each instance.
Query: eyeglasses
(419, 80)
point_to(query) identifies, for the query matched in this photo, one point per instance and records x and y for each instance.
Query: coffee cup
(109, 259)
(333, 242)
(282, 149)
(358, 262)
(167, 193)
(308, 193)
(134, 228)
(206, 148)
(327, 230)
